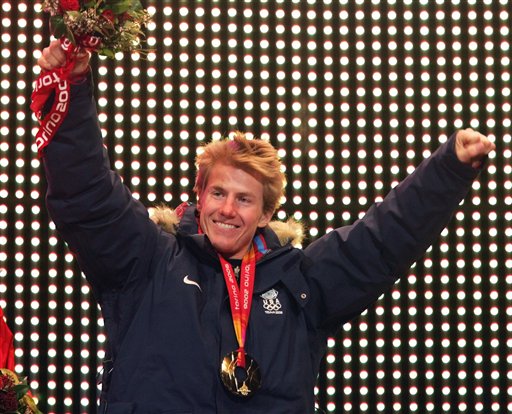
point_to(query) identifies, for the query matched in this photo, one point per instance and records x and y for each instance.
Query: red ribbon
(57, 80)
(240, 298)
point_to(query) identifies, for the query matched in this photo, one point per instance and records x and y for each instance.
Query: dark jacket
(168, 337)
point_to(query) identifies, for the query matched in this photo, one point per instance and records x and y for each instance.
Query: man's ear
(198, 203)
(264, 219)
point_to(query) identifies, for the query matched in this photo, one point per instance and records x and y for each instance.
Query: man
(184, 334)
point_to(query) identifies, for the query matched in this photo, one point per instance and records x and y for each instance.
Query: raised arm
(105, 227)
(354, 265)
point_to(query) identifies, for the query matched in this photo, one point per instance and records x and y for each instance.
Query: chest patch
(271, 303)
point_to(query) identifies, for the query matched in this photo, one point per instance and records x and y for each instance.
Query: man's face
(231, 209)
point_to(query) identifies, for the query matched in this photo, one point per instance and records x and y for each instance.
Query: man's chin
(223, 250)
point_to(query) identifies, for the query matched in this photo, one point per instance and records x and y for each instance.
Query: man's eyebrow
(222, 189)
(216, 188)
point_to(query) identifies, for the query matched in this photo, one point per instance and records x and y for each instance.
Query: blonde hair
(254, 156)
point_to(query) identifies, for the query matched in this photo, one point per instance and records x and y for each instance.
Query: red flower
(126, 17)
(109, 15)
(5, 382)
(70, 5)
(8, 401)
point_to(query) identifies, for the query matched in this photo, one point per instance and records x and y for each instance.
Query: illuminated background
(354, 94)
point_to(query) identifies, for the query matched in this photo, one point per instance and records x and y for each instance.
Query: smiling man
(231, 209)
(215, 311)
(232, 200)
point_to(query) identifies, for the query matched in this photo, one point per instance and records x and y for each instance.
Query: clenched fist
(54, 57)
(472, 147)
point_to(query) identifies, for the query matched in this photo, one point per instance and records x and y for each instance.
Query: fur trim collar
(290, 231)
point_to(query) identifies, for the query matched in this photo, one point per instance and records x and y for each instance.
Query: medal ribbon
(57, 80)
(240, 298)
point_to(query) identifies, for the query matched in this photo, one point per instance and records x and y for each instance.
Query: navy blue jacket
(168, 337)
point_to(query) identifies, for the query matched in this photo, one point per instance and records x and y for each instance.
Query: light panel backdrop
(354, 94)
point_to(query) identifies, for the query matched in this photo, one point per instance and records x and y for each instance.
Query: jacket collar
(185, 218)
(184, 221)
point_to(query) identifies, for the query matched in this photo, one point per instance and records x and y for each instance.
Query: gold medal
(241, 381)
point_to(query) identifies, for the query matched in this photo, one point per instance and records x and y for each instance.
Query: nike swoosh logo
(188, 281)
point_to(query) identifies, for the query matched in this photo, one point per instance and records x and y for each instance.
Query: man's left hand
(472, 147)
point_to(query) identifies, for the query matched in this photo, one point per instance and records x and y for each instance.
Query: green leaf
(107, 52)
(73, 14)
(59, 28)
(57, 25)
(136, 5)
(122, 6)
(20, 390)
(119, 6)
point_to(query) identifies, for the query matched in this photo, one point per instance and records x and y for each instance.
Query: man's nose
(227, 208)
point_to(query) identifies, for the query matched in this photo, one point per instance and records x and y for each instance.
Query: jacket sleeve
(353, 265)
(109, 231)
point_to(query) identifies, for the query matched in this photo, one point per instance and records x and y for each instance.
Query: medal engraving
(240, 381)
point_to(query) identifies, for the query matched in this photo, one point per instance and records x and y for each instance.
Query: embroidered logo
(271, 304)
(189, 281)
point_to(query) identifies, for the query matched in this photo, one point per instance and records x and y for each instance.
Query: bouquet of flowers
(102, 26)
(14, 395)
(106, 26)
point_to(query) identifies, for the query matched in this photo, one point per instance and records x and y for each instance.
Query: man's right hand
(54, 57)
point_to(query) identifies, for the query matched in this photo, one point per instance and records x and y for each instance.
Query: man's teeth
(226, 226)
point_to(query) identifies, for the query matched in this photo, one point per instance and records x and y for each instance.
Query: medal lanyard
(240, 299)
